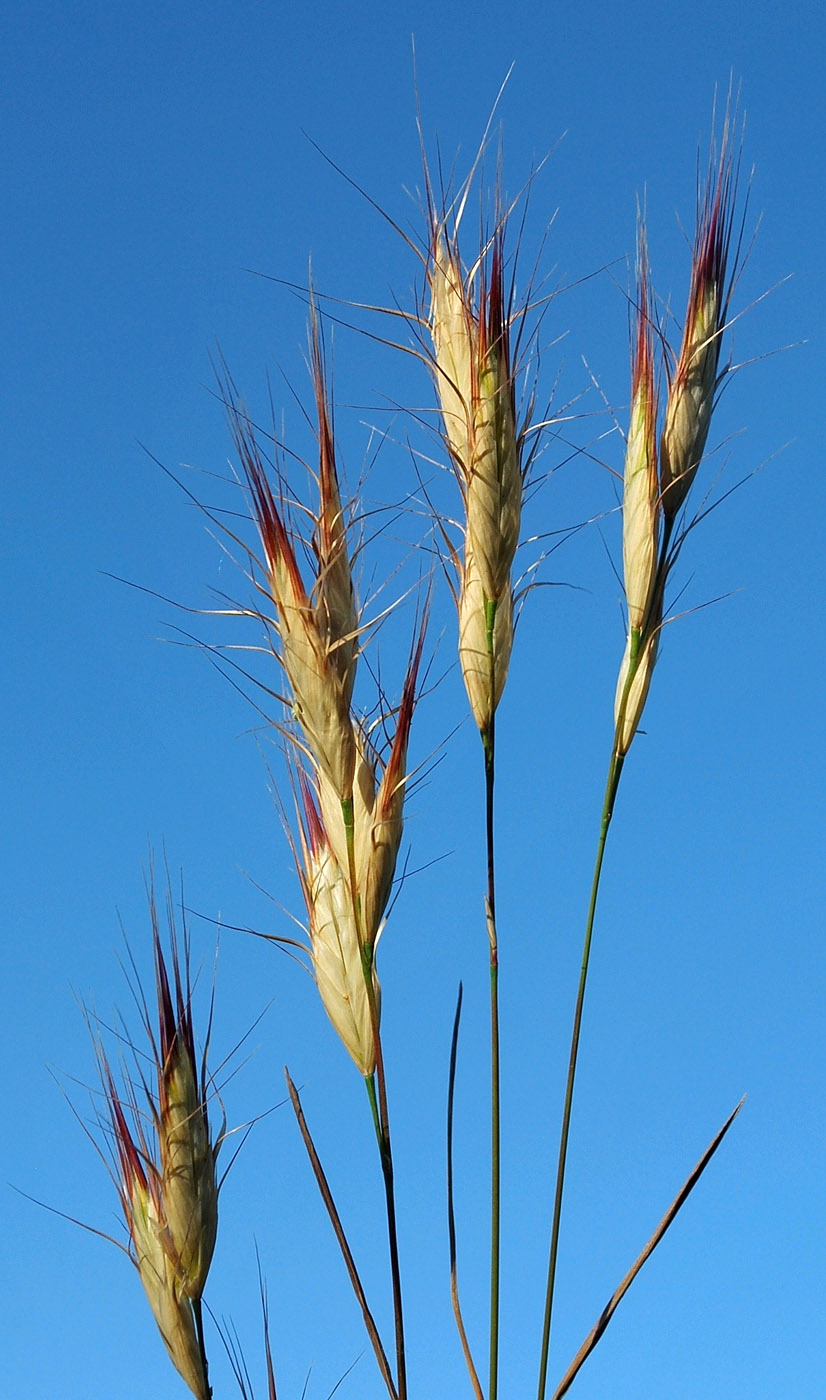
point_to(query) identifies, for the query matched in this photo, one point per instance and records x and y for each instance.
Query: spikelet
(695, 380)
(484, 647)
(142, 1198)
(334, 599)
(335, 945)
(640, 502)
(641, 514)
(187, 1156)
(635, 679)
(318, 631)
(470, 332)
(379, 836)
(165, 1159)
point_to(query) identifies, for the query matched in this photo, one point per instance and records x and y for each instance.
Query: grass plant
(346, 744)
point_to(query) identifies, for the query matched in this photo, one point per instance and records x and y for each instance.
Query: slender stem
(377, 1094)
(639, 638)
(198, 1313)
(489, 746)
(451, 1215)
(614, 772)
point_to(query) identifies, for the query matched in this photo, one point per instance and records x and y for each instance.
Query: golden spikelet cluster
(167, 1175)
(658, 476)
(470, 326)
(350, 803)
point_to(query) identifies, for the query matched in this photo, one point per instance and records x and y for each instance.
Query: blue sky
(155, 158)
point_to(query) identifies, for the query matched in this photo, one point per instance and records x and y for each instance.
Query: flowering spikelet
(347, 882)
(318, 631)
(640, 521)
(166, 1167)
(695, 380)
(334, 600)
(484, 646)
(335, 945)
(640, 503)
(378, 837)
(470, 331)
(190, 1190)
(142, 1198)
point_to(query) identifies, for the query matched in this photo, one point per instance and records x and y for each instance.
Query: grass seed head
(470, 330)
(151, 1247)
(474, 380)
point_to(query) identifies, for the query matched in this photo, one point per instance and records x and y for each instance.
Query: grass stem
(614, 772)
(489, 746)
(377, 1094)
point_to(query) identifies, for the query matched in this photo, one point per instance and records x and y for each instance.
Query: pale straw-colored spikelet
(641, 511)
(640, 501)
(378, 811)
(474, 376)
(635, 680)
(335, 944)
(484, 650)
(363, 799)
(378, 840)
(695, 380)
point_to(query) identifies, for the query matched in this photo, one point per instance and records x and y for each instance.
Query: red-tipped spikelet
(474, 375)
(334, 599)
(318, 630)
(142, 1198)
(694, 383)
(166, 1161)
(188, 1158)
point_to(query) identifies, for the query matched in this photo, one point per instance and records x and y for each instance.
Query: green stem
(489, 746)
(614, 772)
(377, 1094)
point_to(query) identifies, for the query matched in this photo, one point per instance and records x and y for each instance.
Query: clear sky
(155, 157)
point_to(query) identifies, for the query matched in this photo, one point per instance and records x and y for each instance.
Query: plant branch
(613, 1302)
(338, 1230)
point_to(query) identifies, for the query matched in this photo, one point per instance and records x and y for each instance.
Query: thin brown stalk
(338, 1230)
(610, 1308)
